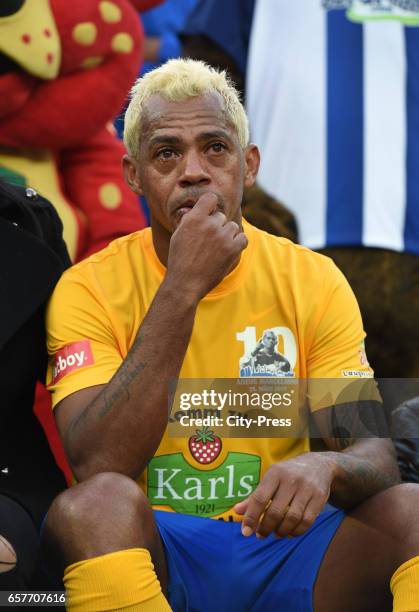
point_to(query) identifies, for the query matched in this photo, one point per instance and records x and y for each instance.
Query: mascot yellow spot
(110, 196)
(85, 33)
(110, 12)
(122, 43)
(92, 62)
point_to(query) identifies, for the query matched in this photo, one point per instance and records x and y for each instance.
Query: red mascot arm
(15, 91)
(73, 105)
(92, 177)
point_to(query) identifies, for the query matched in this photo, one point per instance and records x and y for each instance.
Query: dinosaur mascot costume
(65, 70)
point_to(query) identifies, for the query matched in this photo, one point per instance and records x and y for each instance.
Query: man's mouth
(186, 207)
(183, 207)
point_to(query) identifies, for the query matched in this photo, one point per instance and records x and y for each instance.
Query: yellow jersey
(284, 292)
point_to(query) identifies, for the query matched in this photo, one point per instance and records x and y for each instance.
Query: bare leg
(372, 542)
(103, 514)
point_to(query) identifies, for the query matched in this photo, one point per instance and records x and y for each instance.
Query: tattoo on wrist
(363, 477)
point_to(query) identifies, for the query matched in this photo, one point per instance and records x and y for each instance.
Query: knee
(99, 500)
(395, 512)
(403, 501)
(104, 513)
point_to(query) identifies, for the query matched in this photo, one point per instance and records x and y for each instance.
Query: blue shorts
(213, 568)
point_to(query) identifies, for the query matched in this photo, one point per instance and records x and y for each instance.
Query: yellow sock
(404, 585)
(120, 581)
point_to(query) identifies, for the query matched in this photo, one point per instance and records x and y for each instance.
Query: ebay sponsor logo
(72, 357)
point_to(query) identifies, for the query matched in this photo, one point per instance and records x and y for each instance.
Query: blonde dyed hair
(178, 80)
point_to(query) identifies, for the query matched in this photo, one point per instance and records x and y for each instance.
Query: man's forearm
(361, 470)
(122, 427)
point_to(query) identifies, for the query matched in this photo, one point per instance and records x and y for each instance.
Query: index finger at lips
(205, 205)
(258, 501)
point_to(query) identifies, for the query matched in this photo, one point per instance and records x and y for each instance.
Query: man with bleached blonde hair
(188, 298)
(178, 80)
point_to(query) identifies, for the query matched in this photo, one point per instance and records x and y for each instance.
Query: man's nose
(194, 171)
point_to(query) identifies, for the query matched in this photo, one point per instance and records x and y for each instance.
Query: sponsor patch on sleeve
(358, 373)
(70, 358)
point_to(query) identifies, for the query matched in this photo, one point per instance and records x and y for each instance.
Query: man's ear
(132, 179)
(252, 161)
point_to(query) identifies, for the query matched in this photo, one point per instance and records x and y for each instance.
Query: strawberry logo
(205, 446)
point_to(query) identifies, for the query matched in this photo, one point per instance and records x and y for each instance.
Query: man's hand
(203, 249)
(289, 498)
(293, 493)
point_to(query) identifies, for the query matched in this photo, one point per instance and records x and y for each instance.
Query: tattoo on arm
(363, 479)
(365, 473)
(117, 389)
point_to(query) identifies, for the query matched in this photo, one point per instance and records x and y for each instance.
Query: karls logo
(72, 357)
(173, 482)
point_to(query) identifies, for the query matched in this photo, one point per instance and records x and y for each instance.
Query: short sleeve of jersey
(82, 345)
(338, 368)
(338, 340)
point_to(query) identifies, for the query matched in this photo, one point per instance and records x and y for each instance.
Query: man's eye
(217, 147)
(165, 153)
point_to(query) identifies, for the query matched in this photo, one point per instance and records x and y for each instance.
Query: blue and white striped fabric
(334, 107)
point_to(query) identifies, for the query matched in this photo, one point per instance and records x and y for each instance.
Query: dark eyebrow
(156, 140)
(174, 140)
(215, 134)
